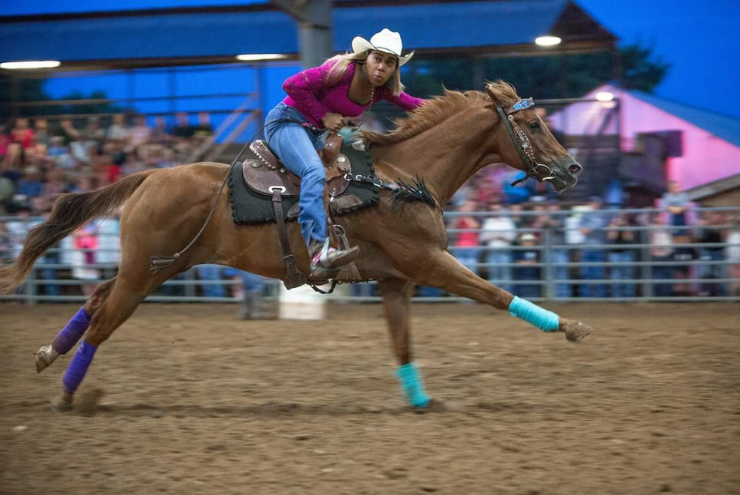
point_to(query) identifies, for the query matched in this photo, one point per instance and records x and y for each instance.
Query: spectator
(676, 203)
(118, 132)
(559, 258)
(711, 232)
(182, 129)
(41, 132)
(661, 253)
(22, 134)
(732, 254)
(211, 275)
(527, 260)
(467, 245)
(139, 135)
(498, 232)
(592, 227)
(6, 244)
(203, 130)
(85, 243)
(30, 186)
(623, 255)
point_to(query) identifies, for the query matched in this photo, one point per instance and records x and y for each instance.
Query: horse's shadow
(90, 405)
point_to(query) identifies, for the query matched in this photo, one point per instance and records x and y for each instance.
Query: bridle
(536, 170)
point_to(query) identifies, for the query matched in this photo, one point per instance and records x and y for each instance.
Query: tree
(640, 69)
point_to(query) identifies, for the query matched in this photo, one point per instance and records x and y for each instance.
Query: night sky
(699, 38)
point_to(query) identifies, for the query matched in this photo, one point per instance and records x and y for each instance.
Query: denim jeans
(624, 272)
(468, 257)
(561, 272)
(592, 273)
(296, 147)
(499, 274)
(211, 273)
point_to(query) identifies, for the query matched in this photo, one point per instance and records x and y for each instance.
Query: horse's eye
(535, 126)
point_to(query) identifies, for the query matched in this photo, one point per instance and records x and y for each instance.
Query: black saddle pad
(248, 207)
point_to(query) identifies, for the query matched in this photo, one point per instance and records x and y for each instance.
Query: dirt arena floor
(187, 399)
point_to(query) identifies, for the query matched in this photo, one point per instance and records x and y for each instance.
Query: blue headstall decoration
(534, 169)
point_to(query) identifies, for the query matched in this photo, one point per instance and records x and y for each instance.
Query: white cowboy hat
(385, 41)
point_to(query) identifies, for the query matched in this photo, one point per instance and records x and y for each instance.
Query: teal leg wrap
(412, 385)
(531, 313)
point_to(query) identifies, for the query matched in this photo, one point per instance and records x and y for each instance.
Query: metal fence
(557, 266)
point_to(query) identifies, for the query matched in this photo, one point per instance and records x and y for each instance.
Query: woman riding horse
(323, 97)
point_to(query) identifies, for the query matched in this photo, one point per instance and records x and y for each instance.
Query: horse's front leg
(442, 270)
(397, 304)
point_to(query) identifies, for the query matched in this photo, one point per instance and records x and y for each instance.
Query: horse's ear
(491, 90)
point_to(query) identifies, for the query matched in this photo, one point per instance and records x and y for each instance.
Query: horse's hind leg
(73, 331)
(397, 304)
(123, 299)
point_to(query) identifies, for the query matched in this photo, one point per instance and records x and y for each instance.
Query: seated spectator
(139, 135)
(182, 128)
(31, 185)
(22, 134)
(41, 132)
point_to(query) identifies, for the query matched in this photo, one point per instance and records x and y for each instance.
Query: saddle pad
(249, 207)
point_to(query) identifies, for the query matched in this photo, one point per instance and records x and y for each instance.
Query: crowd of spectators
(592, 242)
(503, 245)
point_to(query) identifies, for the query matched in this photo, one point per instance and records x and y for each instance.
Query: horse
(441, 144)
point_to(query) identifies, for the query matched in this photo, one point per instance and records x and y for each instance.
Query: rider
(322, 98)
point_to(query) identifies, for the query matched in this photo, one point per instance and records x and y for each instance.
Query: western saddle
(265, 174)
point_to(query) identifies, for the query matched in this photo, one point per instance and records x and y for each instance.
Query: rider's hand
(334, 121)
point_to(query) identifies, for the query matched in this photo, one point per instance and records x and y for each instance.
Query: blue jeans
(709, 272)
(592, 273)
(561, 272)
(498, 273)
(211, 273)
(296, 147)
(468, 257)
(625, 272)
(662, 272)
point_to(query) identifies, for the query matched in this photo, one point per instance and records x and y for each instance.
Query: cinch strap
(531, 313)
(412, 385)
(71, 334)
(78, 367)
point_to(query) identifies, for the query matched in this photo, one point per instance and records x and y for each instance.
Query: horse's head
(526, 143)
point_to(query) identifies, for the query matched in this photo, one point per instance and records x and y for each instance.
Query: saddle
(265, 174)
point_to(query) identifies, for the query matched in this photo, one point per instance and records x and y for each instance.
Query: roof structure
(187, 36)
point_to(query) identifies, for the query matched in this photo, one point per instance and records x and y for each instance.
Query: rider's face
(380, 67)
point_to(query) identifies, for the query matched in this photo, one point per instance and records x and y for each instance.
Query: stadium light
(31, 64)
(604, 96)
(548, 40)
(261, 56)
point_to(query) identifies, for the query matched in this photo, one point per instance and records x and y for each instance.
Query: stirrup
(329, 259)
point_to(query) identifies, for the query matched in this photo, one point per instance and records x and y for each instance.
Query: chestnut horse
(444, 142)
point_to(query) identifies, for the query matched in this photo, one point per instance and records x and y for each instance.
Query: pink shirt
(308, 93)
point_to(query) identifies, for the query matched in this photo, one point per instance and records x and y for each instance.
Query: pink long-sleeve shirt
(309, 94)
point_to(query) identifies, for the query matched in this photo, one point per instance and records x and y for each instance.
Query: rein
(538, 171)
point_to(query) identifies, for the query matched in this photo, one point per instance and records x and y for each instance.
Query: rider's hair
(360, 58)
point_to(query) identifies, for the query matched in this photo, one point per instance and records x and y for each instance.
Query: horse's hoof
(63, 404)
(575, 331)
(45, 357)
(434, 406)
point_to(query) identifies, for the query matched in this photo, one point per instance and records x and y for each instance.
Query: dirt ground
(187, 399)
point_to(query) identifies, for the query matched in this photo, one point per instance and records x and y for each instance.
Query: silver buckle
(276, 188)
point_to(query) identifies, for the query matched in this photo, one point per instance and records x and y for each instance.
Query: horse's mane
(439, 109)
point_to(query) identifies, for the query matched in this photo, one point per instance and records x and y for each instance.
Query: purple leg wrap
(72, 333)
(78, 367)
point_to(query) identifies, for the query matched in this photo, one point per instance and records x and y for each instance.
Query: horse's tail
(70, 212)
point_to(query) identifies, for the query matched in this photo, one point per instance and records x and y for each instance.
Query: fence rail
(557, 271)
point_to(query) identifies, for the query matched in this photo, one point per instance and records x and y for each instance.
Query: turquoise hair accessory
(541, 318)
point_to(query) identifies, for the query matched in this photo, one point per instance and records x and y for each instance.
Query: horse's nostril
(575, 169)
